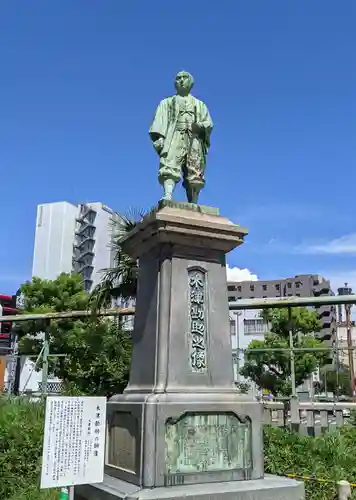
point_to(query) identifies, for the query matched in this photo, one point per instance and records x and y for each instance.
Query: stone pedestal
(181, 429)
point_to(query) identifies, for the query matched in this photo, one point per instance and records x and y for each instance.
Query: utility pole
(346, 290)
(292, 360)
(350, 351)
(45, 359)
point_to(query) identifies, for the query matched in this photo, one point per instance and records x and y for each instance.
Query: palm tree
(119, 281)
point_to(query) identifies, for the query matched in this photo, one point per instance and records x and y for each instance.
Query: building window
(232, 327)
(289, 285)
(231, 288)
(264, 287)
(278, 287)
(232, 298)
(297, 285)
(255, 326)
(252, 288)
(239, 288)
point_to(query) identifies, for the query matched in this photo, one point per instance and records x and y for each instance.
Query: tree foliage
(243, 387)
(97, 352)
(271, 369)
(328, 457)
(336, 381)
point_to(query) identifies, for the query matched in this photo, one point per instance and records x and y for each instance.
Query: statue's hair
(191, 79)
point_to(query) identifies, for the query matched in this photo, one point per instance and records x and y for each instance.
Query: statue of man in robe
(180, 133)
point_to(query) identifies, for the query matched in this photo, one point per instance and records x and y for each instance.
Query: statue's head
(183, 82)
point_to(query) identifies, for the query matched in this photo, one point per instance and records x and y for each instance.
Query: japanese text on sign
(74, 441)
(197, 320)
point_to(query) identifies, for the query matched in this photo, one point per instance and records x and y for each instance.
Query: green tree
(271, 369)
(337, 381)
(243, 387)
(97, 351)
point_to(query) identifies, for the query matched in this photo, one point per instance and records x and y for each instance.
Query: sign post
(74, 443)
(67, 493)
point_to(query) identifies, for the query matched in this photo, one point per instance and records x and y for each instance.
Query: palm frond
(124, 223)
(103, 294)
(121, 280)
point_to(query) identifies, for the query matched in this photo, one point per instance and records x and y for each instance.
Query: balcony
(256, 326)
(87, 267)
(84, 227)
(88, 283)
(325, 335)
(86, 253)
(322, 289)
(86, 213)
(82, 240)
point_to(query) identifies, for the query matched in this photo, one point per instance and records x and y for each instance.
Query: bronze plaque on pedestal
(206, 442)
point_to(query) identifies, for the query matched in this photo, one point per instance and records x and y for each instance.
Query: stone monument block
(181, 429)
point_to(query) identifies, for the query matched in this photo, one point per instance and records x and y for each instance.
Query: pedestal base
(269, 488)
(172, 439)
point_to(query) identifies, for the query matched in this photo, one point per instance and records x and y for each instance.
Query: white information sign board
(74, 441)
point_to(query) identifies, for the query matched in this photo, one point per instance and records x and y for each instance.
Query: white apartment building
(245, 326)
(73, 238)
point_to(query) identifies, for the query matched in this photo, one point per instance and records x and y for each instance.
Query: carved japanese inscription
(197, 320)
(202, 442)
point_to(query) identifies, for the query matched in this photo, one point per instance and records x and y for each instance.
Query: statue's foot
(168, 186)
(192, 196)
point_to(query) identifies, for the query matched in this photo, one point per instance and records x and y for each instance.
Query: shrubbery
(21, 436)
(329, 457)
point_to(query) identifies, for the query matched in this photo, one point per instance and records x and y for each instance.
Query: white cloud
(344, 245)
(237, 274)
(339, 278)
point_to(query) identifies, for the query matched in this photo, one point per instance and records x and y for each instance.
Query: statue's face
(183, 83)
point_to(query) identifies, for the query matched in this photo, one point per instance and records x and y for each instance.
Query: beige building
(341, 332)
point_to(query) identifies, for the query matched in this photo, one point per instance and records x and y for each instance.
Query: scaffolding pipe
(129, 311)
(233, 306)
(277, 302)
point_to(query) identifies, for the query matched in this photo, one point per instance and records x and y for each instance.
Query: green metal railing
(243, 304)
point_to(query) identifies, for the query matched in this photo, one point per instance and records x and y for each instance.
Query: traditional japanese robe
(178, 143)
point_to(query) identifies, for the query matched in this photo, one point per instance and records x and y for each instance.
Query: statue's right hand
(158, 144)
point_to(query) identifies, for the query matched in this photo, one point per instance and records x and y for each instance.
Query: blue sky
(80, 80)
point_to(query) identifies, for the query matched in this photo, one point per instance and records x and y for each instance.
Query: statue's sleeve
(206, 120)
(206, 123)
(160, 122)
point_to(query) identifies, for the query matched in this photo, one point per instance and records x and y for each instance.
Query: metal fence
(46, 386)
(238, 306)
(309, 418)
(292, 302)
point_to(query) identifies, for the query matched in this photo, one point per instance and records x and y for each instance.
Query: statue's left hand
(196, 128)
(158, 144)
